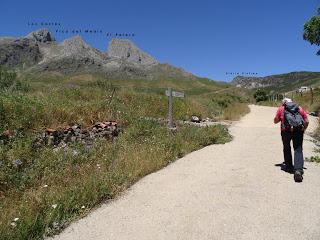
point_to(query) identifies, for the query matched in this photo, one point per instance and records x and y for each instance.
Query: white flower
(16, 219)
(54, 206)
(83, 207)
(75, 153)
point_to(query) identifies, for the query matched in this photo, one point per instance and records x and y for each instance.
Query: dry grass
(236, 111)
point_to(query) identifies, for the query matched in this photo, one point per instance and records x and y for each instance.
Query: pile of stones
(75, 133)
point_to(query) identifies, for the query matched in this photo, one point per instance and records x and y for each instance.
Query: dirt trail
(231, 191)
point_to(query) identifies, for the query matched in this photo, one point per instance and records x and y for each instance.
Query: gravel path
(230, 191)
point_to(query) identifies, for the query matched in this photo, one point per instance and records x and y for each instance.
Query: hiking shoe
(287, 168)
(298, 176)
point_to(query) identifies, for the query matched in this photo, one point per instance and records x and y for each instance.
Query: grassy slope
(78, 179)
(293, 81)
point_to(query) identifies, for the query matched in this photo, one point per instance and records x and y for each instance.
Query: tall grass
(235, 111)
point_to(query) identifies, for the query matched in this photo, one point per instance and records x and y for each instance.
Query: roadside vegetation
(51, 187)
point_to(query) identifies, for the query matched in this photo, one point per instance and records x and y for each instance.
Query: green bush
(9, 82)
(260, 95)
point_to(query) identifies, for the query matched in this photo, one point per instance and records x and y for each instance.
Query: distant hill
(279, 82)
(39, 52)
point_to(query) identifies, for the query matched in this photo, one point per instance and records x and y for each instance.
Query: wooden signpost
(170, 95)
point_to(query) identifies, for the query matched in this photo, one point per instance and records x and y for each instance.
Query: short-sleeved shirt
(280, 115)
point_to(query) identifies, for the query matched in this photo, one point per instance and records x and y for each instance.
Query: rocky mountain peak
(41, 35)
(76, 43)
(127, 50)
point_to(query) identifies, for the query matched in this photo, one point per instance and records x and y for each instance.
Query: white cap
(286, 100)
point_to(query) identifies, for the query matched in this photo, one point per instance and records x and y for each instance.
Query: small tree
(312, 30)
(260, 95)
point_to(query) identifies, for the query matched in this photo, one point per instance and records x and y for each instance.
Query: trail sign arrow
(175, 94)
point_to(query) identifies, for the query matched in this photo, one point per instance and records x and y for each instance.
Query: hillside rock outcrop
(19, 52)
(126, 50)
(42, 35)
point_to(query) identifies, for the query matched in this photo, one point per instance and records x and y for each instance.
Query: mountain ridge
(39, 52)
(286, 81)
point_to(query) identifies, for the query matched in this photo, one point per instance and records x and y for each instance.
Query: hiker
(294, 121)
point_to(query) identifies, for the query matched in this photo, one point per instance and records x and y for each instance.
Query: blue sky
(207, 38)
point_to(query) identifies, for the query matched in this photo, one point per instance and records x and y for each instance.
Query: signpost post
(170, 95)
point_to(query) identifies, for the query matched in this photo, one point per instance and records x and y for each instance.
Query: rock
(19, 52)
(17, 163)
(126, 50)
(50, 131)
(51, 140)
(42, 36)
(195, 119)
(70, 134)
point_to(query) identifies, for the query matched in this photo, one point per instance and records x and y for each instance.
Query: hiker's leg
(286, 138)
(297, 146)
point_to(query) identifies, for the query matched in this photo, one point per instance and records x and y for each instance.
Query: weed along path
(230, 191)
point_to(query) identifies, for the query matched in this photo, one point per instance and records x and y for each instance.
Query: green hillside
(293, 81)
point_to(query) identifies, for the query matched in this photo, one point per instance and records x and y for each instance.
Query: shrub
(260, 95)
(9, 82)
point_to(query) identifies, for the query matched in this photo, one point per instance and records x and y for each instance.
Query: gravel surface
(230, 191)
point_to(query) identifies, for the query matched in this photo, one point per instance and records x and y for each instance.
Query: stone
(125, 49)
(42, 35)
(17, 163)
(195, 119)
(19, 52)
(61, 138)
